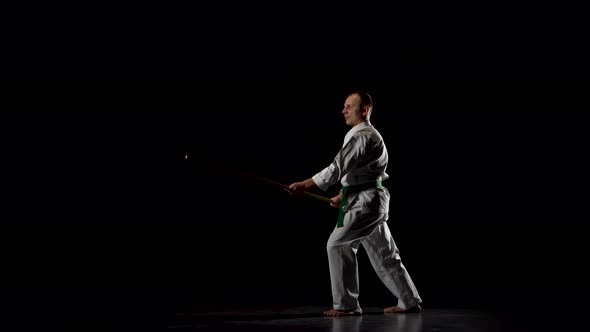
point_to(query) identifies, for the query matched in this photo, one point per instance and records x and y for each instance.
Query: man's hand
(296, 188)
(335, 201)
(299, 188)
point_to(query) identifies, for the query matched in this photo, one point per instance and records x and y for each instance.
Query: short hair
(366, 100)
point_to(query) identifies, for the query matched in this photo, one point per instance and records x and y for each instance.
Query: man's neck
(358, 123)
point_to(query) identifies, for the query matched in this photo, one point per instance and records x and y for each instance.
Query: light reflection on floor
(310, 319)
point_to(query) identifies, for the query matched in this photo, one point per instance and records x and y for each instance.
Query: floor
(309, 318)
(536, 316)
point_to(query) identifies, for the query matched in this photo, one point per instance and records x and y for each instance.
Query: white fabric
(363, 159)
(370, 230)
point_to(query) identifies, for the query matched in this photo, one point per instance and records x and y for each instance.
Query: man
(364, 209)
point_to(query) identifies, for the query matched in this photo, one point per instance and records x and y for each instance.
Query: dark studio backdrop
(104, 215)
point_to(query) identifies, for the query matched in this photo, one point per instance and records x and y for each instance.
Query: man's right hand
(296, 188)
(335, 201)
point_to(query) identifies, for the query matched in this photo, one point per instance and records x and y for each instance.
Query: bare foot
(334, 312)
(398, 310)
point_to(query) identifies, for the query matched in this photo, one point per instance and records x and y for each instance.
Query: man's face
(353, 113)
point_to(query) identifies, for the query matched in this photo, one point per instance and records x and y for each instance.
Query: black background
(105, 217)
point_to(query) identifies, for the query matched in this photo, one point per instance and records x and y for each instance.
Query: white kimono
(363, 159)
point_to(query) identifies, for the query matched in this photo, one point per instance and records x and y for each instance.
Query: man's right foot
(398, 310)
(337, 313)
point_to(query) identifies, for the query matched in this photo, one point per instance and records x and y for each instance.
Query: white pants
(370, 230)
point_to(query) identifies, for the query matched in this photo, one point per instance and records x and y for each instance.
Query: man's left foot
(398, 310)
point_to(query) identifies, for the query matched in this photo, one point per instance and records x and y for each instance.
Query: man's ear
(365, 111)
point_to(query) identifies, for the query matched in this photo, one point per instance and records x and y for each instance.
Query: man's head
(357, 108)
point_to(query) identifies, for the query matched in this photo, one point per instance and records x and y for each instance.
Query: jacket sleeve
(351, 155)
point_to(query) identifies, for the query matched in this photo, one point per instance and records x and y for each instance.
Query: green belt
(350, 189)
